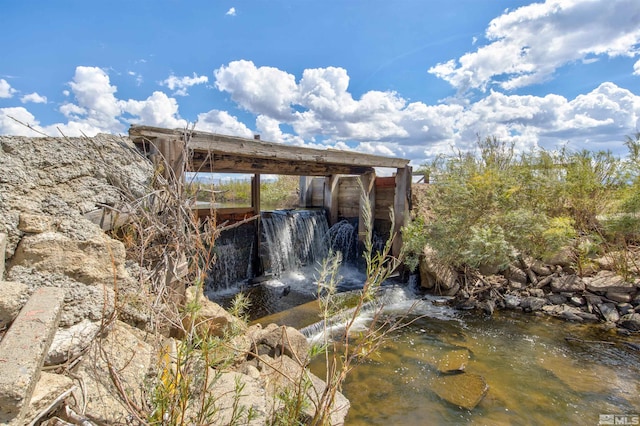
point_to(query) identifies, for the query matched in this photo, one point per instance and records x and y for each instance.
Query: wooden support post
(401, 203)
(306, 192)
(172, 151)
(331, 188)
(255, 205)
(369, 197)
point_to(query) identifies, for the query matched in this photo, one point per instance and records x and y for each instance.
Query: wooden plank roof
(212, 152)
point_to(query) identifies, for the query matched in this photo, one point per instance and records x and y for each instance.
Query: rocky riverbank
(83, 338)
(598, 294)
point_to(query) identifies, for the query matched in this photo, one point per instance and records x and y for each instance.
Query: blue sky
(408, 78)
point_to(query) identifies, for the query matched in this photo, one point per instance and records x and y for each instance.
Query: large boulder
(92, 259)
(436, 275)
(210, 318)
(64, 177)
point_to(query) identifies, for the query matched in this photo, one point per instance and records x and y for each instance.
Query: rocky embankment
(553, 287)
(80, 336)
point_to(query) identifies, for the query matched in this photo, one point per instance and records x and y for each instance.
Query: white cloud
(137, 76)
(321, 106)
(265, 90)
(96, 109)
(66, 92)
(216, 121)
(528, 44)
(9, 126)
(157, 110)
(34, 97)
(231, 12)
(6, 91)
(93, 91)
(636, 68)
(181, 84)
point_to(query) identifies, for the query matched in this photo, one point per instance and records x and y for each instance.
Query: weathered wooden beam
(220, 163)
(401, 207)
(213, 143)
(367, 202)
(331, 198)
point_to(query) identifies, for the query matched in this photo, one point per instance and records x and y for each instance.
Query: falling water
(293, 239)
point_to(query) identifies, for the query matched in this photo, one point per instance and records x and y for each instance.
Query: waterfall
(292, 239)
(343, 237)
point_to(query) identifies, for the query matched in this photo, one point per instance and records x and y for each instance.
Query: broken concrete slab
(50, 391)
(23, 349)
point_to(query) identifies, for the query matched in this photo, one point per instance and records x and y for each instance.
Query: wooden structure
(333, 171)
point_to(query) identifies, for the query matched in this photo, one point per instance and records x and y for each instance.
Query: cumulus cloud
(157, 110)
(6, 91)
(265, 90)
(320, 105)
(527, 45)
(216, 121)
(180, 84)
(34, 97)
(95, 108)
(636, 68)
(9, 125)
(231, 12)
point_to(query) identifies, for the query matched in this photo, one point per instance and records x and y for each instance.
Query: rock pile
(102, 351)
(553, 288)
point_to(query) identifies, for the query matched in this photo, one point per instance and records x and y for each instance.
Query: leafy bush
(488, 206)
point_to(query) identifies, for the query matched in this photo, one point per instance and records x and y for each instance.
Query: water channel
(539, 370)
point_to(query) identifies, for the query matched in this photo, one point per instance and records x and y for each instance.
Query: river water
(539, 370)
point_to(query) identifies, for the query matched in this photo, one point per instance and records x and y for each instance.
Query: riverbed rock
(556, 299)
(211, 318)
(287, 341)
(608, 281)
(577, 301)
(515, 275)
(619, 297)
(463, 390)
(567, 283)
(13, 296)
(625, 308)
(608, 312)
(511, 301)
(539, 268)
(436, 275)
(631, 322)
(532, 303)
(453, 361)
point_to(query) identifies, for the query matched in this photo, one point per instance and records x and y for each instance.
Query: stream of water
(535, 375)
